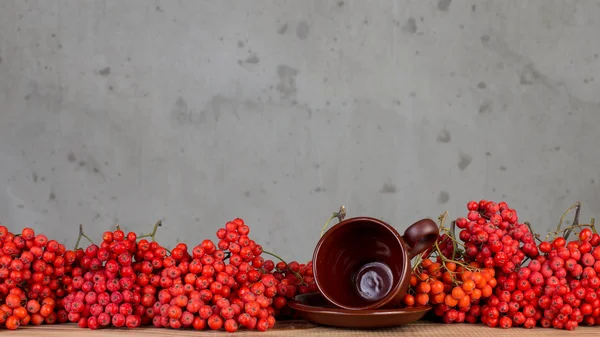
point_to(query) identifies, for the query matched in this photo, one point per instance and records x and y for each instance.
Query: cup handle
(420, 236)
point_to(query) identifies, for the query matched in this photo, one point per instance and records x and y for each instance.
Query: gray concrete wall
(279, 111)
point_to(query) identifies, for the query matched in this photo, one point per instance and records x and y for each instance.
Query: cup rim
(393, 292)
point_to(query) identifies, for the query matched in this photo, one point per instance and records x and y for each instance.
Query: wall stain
(71, 157)
(319, 189)
(444, 197)
(444, 5)
(219, 104)
(481, 85)
(464, 160)
(340, 4)
(20, 206)
(302, 30)
(529, 75)
(181, 112)
(283, 29)
(158, 9)
(240, 44)
(247, 194)
(104, 71)
(502, 168)
(287, 81)
(486, 106)
(444, 136)
(410, 26)
(388, 188)
(35, 177)
(253, 59)
(52, 196)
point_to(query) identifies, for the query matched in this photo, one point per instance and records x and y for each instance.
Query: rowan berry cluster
(493, 236)
(130, 281)
(32, 270)
(490, 281)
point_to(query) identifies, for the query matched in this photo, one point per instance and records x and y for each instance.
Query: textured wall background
(279, 111)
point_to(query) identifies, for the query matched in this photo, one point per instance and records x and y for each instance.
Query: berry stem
(450, 232)
(577, 205)
(153, 233)
(445, 259)
(341, 214)
(592, 222)
(575, 222)
(286, 264)
(535, 235)
(82, 234)
(453, 237)
(442, 219)
(570, 228)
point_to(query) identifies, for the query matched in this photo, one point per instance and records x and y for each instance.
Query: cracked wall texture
(198, 112)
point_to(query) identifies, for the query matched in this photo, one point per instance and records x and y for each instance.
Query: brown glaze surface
(363, 263)
(420, 236)
(314, 308)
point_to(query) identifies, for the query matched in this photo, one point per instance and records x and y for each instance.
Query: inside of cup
(360, 263)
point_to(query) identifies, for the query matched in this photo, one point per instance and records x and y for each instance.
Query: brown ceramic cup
(363, 263)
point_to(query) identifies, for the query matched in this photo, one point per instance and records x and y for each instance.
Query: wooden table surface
(301, 328)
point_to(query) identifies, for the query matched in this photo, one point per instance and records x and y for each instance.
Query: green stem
(327, 223)
(445, 259)
(286, 264)
(153, 233)
(341, 214)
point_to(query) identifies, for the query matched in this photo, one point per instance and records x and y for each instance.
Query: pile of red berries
(493, 236)
(558, 288)
(126, 282)
(515, 300)
(571, 288)
(32, 269)
(294, 278)
(455, 292)
(105, 287)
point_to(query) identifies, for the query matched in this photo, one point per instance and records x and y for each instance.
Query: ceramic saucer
(314, 308)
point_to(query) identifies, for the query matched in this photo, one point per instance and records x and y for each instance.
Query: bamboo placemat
(301, 328)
